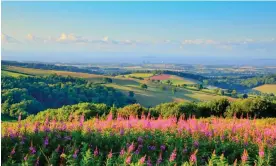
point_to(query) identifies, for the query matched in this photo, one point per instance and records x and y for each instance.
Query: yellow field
(142, 75)
(268, 88)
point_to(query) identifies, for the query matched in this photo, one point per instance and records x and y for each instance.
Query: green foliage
(30, 95)
(134, 110)
(175, 109)
(65, 113)
(131, 94)
(144, 86)
(251, 107)
(107, 80)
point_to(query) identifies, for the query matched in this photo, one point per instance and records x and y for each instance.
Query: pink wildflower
(128, 160)
(142, 160)
(130, 148)
(173, 155)
(110, 154)
(193, 158)
(244, 156)
(96, 152)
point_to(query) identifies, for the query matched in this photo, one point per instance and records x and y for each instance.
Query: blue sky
(141, 28)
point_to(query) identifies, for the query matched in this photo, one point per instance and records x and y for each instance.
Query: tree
(169, 82)
(163, 88)
(144, 86)
(234, 93)
(107, 80)
(131, 94)
(245, 96)
(173, 90)
(221, 92)
(205, 82)
(199, 86)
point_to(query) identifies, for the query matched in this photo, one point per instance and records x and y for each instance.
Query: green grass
(12, 74)
(176, 80)
(40, 72)
(267, 88)
(142, 75)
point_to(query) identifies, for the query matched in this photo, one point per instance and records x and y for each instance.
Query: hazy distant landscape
(138, 83)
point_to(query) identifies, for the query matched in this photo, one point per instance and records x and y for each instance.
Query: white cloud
(199, 41)
(8, 39)
(70, 38)
(105, 39)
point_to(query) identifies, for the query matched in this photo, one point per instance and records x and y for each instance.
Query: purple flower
(122, 131)
(196, 144)
(75, 155)
(96, 152)
(46, 141)
(137, 151)
(151, 147)
(162, 147)
(149, 162)
(185, 150)
(13, 151)
(37, 162)
(32, 149)
(140, 140)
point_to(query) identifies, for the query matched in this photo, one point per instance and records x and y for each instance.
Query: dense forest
(240, 82)
(29, 95)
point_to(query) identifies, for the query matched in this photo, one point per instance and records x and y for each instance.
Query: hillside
(267, 88)
(155, 94)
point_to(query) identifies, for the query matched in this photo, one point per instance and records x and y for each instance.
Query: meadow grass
(12, 74)
(267, 88)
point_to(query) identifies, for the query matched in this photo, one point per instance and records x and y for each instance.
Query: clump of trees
(251, 107)
(144, 86)
(30, 95)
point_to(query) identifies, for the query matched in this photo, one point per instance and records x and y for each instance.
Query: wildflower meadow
(143, 141)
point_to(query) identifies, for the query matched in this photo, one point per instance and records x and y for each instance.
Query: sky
(136, 31)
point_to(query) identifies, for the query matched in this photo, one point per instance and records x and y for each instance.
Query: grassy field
(41, 72)
(176, 80)
(268, 88)
(12, 74)
(141, 75)
(150, 97)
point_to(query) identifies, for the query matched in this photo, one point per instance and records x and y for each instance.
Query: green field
(40, 72)
(268, 88)
(141, 75)
(176, 80)
(12, 74)
(150, 97)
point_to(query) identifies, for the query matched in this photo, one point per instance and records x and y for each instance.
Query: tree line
(240, 108)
